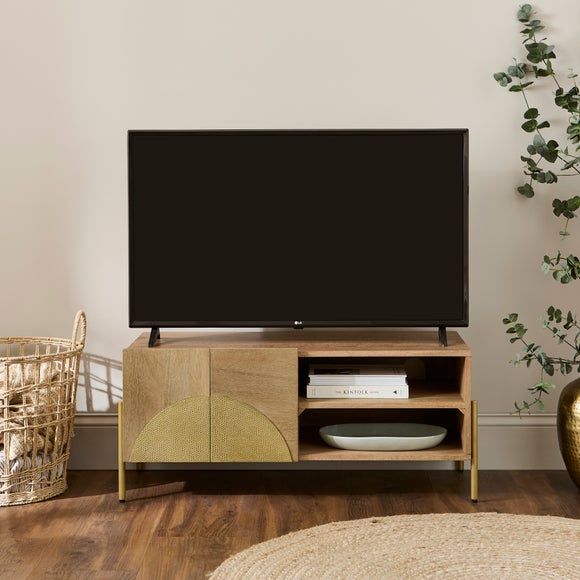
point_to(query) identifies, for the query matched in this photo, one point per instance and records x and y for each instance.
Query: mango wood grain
(320, 343)
(312, 449)
(266, 379)
(465, 390)
(420, 397)
(155, 379)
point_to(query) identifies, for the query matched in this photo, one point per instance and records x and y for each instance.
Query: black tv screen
(298, 228)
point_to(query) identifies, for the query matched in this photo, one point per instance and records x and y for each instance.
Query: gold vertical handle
(121, 463)
(474, 454)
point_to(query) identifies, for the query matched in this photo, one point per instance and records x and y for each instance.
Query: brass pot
(569, 428)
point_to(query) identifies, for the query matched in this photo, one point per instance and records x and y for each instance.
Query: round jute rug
(482, 545)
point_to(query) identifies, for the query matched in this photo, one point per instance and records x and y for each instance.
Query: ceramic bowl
(383, 436)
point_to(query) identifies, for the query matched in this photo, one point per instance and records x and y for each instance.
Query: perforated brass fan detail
(241, 433)
(178, 433)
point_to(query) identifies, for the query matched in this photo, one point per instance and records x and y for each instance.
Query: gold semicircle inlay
(241, 433)
(178, 433)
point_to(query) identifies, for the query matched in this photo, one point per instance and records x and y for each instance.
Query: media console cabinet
(221, 397)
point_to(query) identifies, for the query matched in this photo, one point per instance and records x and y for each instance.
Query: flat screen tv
(298, 228)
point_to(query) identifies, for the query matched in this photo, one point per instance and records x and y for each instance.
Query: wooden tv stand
(223, 397)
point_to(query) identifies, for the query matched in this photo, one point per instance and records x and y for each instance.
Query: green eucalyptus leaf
(524, 13)
(531, 113)
(544, 177)
(538, 141)
(549, 150)
(573, 203)
(573, 130)
(541, 72)
(568, 100)
(558, 207)
(526, 190)
(530, 126)
(502, 78)
(518, 70)
(539, 52)
(519, 88)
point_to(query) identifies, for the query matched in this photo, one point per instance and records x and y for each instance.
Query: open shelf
(421, 396)
(312, 448)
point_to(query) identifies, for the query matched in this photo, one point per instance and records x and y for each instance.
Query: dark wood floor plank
(184, 524)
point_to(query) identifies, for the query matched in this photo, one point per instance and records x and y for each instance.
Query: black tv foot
(154, 336)
(443, 335)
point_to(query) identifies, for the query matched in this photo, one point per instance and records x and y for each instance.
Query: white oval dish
(383, 436)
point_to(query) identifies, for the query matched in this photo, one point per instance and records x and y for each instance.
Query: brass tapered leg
(122, 489)
(460, 466)
(474, 453)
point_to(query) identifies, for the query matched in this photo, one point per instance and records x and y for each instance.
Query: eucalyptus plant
(547, 162)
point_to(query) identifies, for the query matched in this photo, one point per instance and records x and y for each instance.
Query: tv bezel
(462, 322)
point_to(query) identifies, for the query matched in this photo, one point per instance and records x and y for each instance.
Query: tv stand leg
(443, 336)
(154, 336)
(474, 454)
(121, 464)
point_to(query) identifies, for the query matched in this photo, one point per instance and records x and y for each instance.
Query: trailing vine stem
(561, 155)
(564, 267)
(560, 326)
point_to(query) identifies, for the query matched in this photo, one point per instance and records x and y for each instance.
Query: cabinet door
(166, 405)
(254, 404)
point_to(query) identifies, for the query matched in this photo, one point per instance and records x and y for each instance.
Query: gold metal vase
(569, 428)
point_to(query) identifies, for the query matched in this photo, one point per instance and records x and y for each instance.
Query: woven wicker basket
(38, 383)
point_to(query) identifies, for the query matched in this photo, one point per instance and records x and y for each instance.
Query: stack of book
(357, 382)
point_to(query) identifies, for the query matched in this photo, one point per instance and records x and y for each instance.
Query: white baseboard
(506, 442)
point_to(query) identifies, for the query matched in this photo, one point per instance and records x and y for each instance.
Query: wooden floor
(183, 524)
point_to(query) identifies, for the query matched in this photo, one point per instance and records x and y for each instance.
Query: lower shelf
(312, 448)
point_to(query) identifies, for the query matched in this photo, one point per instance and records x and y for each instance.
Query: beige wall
(77, 75)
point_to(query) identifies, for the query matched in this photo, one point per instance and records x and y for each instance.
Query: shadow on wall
(100, 385)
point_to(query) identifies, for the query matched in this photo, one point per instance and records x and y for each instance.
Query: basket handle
(79, 333)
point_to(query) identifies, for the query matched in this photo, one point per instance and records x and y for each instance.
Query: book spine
(356, 392)
(383, 384)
